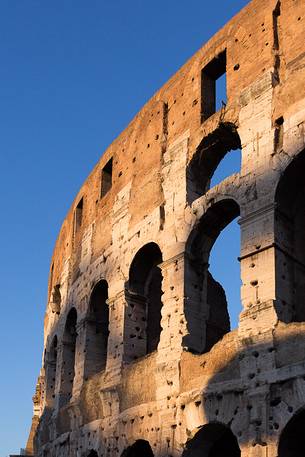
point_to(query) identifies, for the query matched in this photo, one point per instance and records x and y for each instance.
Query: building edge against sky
(139, 356)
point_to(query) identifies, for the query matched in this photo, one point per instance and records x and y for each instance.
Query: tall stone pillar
(257, 322)
(59, 394)
(258, 272)
(115, 350)
(173, 326)
(80, 354)
(135, 322)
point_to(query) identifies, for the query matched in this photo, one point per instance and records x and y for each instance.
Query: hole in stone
(144, 295)
(106, 178)
(213, 440)
(217, 157)
(216, 233)
(213, 86)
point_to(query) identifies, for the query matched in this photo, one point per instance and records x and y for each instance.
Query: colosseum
(139, 358)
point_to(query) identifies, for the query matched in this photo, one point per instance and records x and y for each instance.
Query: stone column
(80, 354)
(59, 395)
(257, 443)
(257, 208)
(50, 383)
(258, 272)
(115, 349)
(173, 326)
(135, 322)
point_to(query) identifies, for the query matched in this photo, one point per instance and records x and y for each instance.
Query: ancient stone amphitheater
(139, 358)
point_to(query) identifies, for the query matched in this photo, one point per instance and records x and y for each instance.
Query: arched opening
(50, 367)
(55, 302)
(140, 448)
(206, 306)
(213, 440)
(292, 440)
(97, 330)
(209, 166)
(229, 165)
(68, 368)
(225, 268)
(144, 292)
(290, 242)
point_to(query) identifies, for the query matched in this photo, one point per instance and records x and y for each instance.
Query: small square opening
(213, 86)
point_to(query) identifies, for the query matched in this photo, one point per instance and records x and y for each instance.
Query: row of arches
(213, 440)
(218, 440)
(143, 293)
(68, 364)
(143, 325)
(144, 286)
(97, 331)
(219, 155)
(207, 312)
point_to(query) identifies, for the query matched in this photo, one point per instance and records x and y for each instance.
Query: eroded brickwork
(139, 358)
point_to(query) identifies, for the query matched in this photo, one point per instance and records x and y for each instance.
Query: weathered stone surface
(137, 344)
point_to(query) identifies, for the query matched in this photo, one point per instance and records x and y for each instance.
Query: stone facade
(138, 356)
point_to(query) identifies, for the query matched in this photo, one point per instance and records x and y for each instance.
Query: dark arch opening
(292, 440)
(209, 156)
(213, 440)
(290, 242)
(92, 453)
(206, 307)
(144, 292)
(97, 330)
(69, 346)
(50, 368)
(56, 299)
(140, 448)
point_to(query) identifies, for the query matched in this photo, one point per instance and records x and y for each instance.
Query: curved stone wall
(139, 358)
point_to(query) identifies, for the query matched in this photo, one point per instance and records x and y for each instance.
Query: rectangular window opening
(78, 215)
(213, 86)
(106, 178)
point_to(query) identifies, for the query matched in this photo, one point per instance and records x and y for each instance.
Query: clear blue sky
(72, 76)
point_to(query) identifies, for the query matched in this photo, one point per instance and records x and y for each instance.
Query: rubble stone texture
(139, 359)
